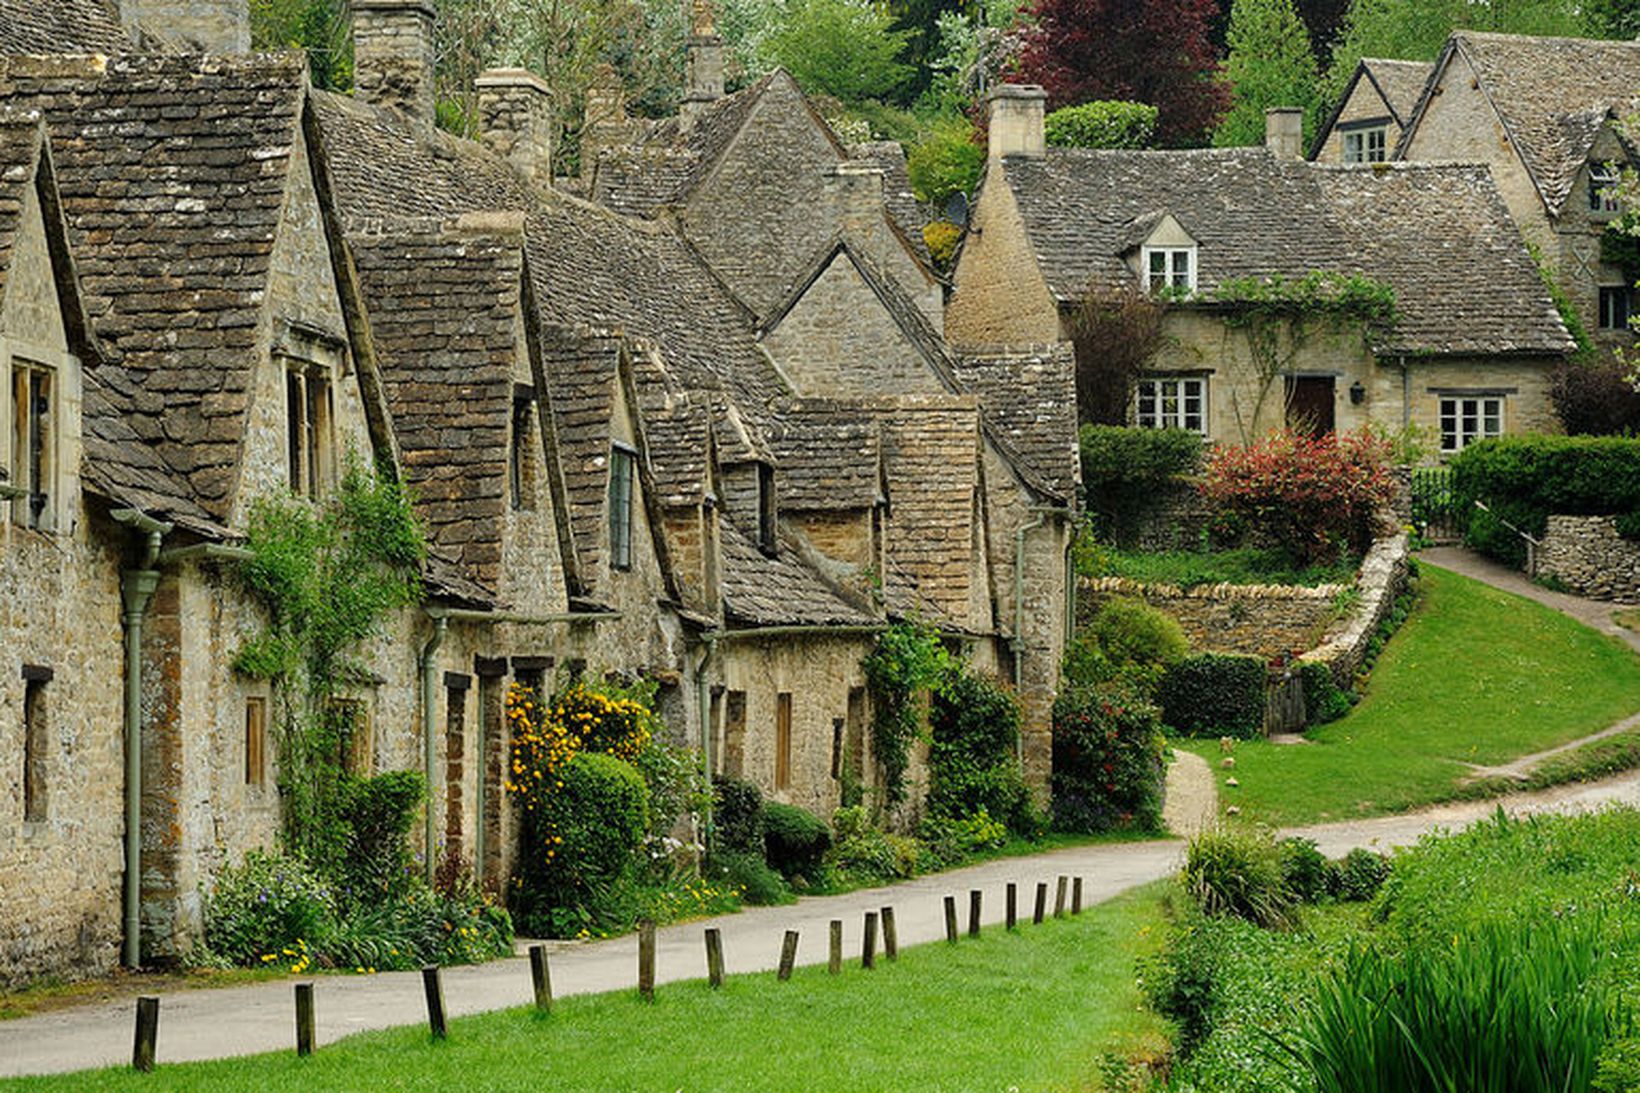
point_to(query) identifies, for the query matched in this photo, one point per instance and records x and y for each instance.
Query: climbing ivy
(907, 659)
(1279, 316)
(325, 576)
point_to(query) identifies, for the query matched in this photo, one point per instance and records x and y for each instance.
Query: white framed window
(33, 445)
(1603, 181)
(1169, 267)
(1468, 418)
(621, 466)
(1366, 145)
(1615, 304)
(1172, 402)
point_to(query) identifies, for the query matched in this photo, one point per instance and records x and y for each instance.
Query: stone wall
(998, 296)
(1586, 554)
(1258, 620)
(1380, 582)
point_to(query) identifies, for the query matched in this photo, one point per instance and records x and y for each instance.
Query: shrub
(1123, 468)
(1214, 694)
(947, 841)
(941, 238)
(1109, 760)
(1324, 700)
(795, 840)
(266, 904)
(1628, 525)
(738, 815)
(1305, 870)
(1360, 875)
(1231, 872)
(378, 814)
(1102, 124)
(974, 729)
(1522, 479)
(1183, 983)
(1595, 398)
(946, 160)
(1131, 631)
(758, 884)
(864, 851)
(1316, 497)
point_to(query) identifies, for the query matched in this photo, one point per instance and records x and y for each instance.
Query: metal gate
(1434, 514)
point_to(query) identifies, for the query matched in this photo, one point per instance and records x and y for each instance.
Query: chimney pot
(1284, 131)
(516, 119)
(1018, 117)
(393, 55)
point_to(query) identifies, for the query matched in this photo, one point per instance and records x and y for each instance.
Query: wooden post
(714, 956)
(951, 918)
(835, 964)
(142, 1046)
(433, 987)
(891, 939)
(788, 955)
(541, 976)
(973, 912)
(304, 1019)
(1013, 905)
(1041, 902)
(1059, 898)
(1076, 896)
(868, 946)
(646, 959)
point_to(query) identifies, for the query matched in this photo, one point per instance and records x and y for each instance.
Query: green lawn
(1034, 1010)
(1243, 565)
(1475, 676)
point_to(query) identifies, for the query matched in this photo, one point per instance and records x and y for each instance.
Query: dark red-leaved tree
(1154, 51)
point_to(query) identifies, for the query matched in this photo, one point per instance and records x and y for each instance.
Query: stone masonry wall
(1380, 581)
(1258, 620)
(1586, 554)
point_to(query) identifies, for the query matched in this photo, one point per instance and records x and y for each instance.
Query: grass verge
(1040, 1009)
(1475, 676)
(47, 995)
(1244, 565)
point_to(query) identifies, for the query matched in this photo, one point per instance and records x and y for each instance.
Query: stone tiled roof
(443, 307)
(1552, 94)
(1253, 215)
(931, 449)
(830, 456)
(679, 440)
(1441, 237)
(172, 172)
(1029, 399)
(760, 590)
(582, 370)
(61, 26)
(903, 208)
(1400, 82)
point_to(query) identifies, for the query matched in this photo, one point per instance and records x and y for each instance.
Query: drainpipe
(1406, 393)
(703, 698)
(136, 592)
(429, 697)
(1017, 642)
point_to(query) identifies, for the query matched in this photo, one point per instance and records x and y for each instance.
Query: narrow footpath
(218, 1023)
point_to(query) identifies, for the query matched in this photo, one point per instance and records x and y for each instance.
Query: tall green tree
(848, 49)
(1270, 64)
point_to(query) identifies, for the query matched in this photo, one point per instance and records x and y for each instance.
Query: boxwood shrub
(737, 815)
(1522, 479)
(1214, 694)
(795, 840)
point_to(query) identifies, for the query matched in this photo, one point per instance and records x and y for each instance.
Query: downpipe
(429, 749)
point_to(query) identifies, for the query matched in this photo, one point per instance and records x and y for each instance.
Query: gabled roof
(830, 455)
(903, 208)
(778, 590)
(22, 139)
(1552, 95)
(1398, 84)
(582, 370)
(61, 26)
(1028, 395)
(172, 172)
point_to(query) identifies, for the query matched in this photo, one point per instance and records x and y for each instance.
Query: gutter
(703, 699)
(136, 593)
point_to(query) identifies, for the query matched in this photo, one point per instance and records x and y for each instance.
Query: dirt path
(1192, 804)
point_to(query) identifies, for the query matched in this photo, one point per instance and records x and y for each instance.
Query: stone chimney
(1284, 132)
(855, 192)
(606, 124)
(393, 55)
(515, 120)
(703, 80)
(1018, 115)
(208, 26)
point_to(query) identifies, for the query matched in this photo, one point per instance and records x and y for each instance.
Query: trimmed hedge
(1108, 123)
(737, 814)
(1123, 466)
(1214, 694)
(1522, 479)
(795, 840)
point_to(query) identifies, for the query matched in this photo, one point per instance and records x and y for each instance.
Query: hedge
(1123, 467)
(1109, 123)
(1214, 694)
(737, 810)
(795, 840)
(1522, 479)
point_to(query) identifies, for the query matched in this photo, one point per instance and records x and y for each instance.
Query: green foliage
(1124, 467)
(795, 840)
(1628, 525)
(1305, 871)
(1237, 565)
(1269, 64)
(377, 814)
(1109, 759)
(1214, 694)
(948, 841)
(1324, 700)
(1239, 872)
(844, 48)
(1563, 303)
(738, 813)
(946, 159)
(749, 874)
(1112, 123)
(863, 853)
(325, 576)
(1360, 875)
(908, 659)
(1131, 632)
(1522, 479)
(320, 28)
(974, 729)
(266, 903)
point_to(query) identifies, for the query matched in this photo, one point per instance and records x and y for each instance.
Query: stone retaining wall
(1380, 581)
(1259, 620)
(1586, 554)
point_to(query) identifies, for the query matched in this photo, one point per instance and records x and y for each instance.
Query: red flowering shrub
(1315, 497)
(1109, 765)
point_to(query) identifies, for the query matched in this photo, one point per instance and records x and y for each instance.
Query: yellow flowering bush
(547, 735)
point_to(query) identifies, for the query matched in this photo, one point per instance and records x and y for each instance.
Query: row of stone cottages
(721, 461)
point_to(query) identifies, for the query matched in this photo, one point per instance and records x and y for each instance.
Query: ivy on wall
(907, 660)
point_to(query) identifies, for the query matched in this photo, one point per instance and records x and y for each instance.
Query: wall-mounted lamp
(1358, 393)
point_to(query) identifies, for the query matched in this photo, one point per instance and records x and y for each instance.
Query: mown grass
(1244, 565)
(1475, 676)
(1038, 1009)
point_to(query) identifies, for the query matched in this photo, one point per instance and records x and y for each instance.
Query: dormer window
(33, 445)
(1603, 179)
(1369, 145)
(622, 463)
(1169, 268)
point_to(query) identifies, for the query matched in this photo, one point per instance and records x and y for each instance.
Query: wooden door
(1310, 404)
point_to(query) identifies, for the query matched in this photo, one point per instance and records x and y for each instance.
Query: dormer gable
(1163, 255)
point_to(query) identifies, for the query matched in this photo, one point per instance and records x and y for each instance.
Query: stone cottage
(1373, 111)
(1468, 356)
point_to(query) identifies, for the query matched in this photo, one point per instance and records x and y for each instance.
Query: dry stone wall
(1380, 582)
(1586, 554)
(1258, 620)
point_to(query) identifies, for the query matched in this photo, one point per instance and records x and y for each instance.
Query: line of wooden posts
(142, 1052)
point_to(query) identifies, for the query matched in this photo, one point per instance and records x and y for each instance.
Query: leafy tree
(1612, 18)
(1102, 125)
(319, 28)
(1270, 64)
(844, 48)
(1154, 51)
(947, 159)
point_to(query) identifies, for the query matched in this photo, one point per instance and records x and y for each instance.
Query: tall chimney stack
(1284, 132)
(1018, 121)
(393, 55)
(703, 81)
(515, 120)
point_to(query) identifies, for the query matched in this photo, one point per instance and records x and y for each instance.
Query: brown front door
(1310, 404)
